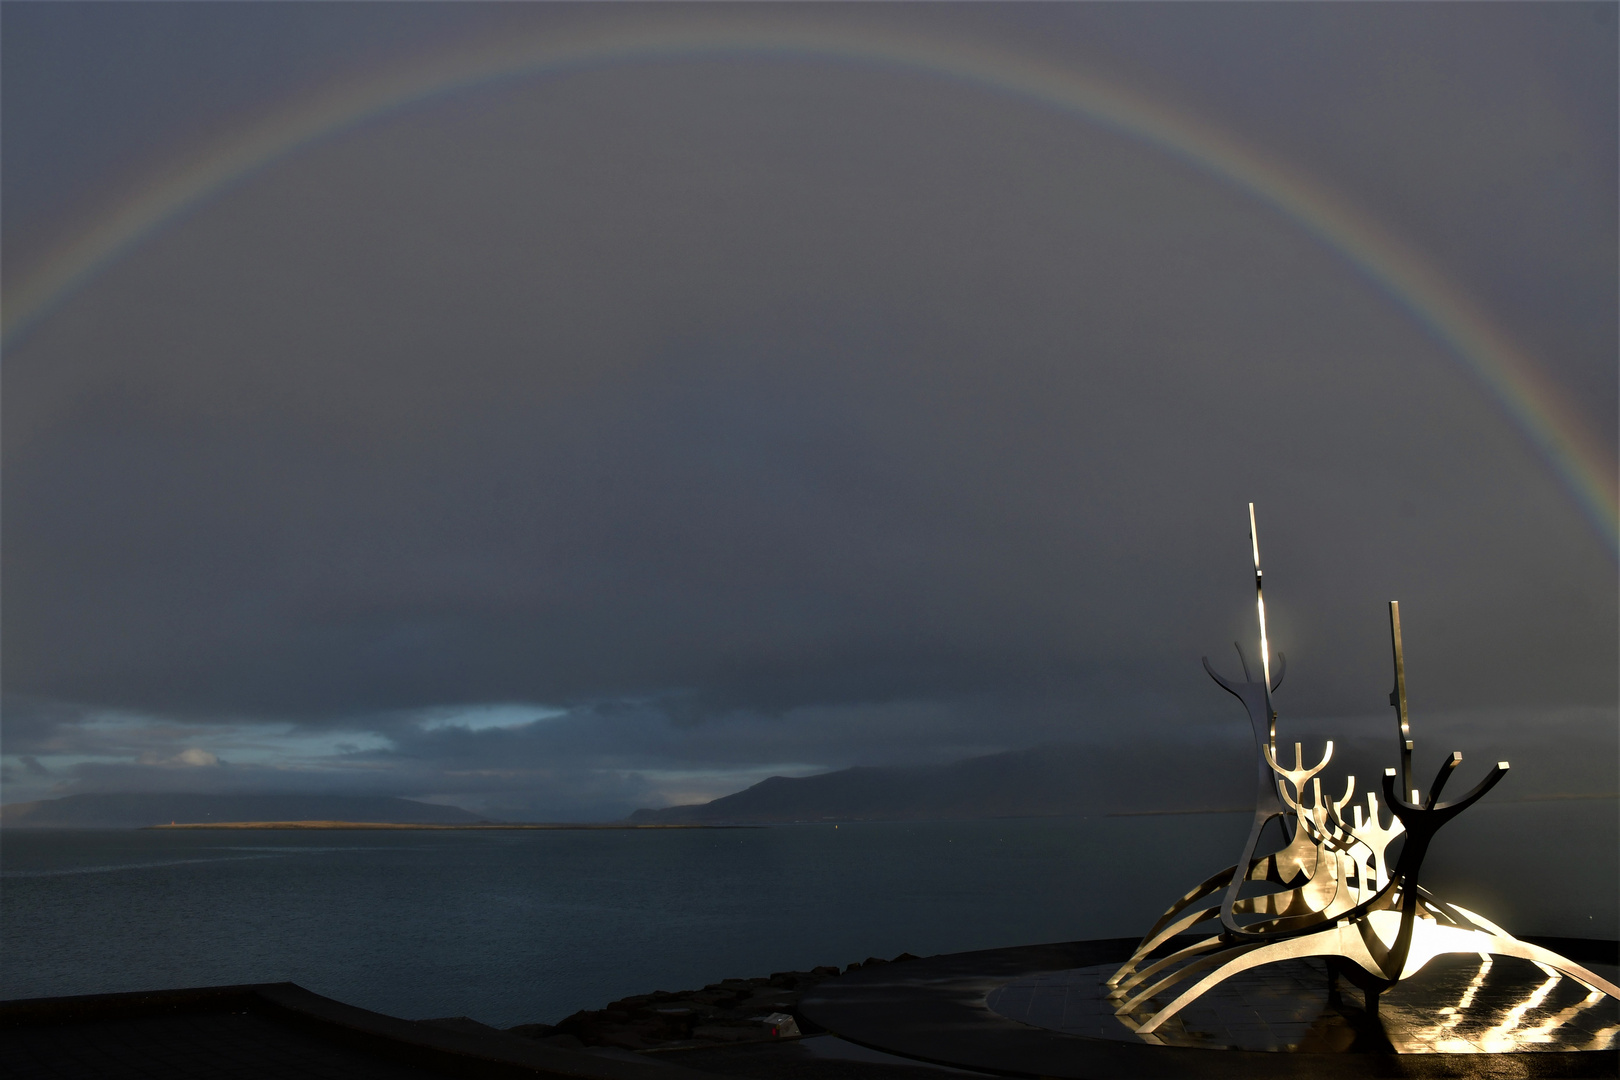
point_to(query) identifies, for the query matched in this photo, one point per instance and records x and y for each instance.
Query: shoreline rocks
(729, 1011)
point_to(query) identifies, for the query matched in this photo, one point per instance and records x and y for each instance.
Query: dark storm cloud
(756, 414)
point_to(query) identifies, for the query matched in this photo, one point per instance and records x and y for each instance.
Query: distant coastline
(1053, 781)
(482, 825)
(1177, 813)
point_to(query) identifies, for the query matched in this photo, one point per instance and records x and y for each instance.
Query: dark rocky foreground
(280, 1031)
(728, 1012)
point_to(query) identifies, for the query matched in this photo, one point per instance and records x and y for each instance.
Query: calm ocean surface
(515, 927)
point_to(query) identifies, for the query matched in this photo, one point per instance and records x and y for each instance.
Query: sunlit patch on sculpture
(1329, 892)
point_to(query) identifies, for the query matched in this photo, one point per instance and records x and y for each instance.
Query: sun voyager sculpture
(1329, 888)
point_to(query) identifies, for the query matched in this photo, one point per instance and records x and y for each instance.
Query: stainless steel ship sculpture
(1330, 890)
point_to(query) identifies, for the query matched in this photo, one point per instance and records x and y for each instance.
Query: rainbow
(1530, 400)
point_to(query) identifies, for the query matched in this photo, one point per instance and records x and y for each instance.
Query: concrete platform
(940, 1010)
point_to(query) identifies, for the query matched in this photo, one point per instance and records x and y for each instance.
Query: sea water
(519, 927)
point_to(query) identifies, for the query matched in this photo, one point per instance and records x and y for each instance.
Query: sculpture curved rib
(1338, 896)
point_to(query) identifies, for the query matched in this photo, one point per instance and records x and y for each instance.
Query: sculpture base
(1041, 1011)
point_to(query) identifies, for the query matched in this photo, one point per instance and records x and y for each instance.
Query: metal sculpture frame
(1329, 890)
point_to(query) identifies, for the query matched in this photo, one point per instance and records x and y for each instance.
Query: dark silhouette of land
(1054, 780)
(1064, 779)
(477, 827)
(1045, 781)
(133, 811)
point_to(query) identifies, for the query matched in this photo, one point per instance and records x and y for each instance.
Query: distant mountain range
(1142, 777)
(135, 811)
(1045, 781)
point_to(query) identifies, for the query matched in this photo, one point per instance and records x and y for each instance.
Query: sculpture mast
(1397, 698)
(1265, 647)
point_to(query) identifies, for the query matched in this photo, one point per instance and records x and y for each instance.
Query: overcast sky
(622, 435)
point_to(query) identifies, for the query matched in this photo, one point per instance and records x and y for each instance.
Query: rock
(731, 1032)
(769, 1001)
(728, 1011)
(781, 1025)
